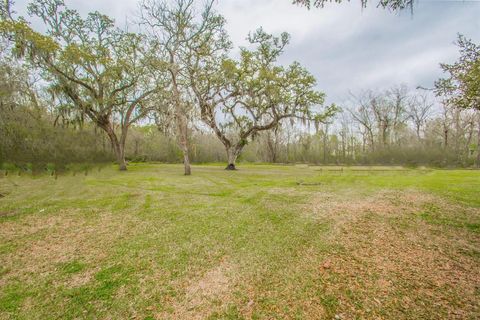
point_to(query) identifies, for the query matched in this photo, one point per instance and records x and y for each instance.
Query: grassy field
(264, 242)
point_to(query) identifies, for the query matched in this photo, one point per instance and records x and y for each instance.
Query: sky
(347, 48)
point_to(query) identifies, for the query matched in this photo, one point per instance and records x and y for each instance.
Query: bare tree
(389, 4)
(273, 138)
(446, 124)
(419, 110)
(397, 98)
(363, 114)
(178, 32)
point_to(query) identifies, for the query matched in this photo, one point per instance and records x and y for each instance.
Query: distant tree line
(389, 4)
(85, 90)
(397, 126)
(33, 136)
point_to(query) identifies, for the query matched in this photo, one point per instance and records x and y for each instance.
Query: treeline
(85, 90)
(391, 127)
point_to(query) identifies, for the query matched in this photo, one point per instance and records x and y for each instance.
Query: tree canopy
(254, 93)
(93, 68)
(180, 35)
(461, 87)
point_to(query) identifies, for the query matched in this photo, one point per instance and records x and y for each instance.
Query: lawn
(263, 242)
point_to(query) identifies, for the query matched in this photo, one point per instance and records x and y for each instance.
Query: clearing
(264, 242)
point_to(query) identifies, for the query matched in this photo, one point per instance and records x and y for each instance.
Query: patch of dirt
(214, 284)
(205, 295)
(45, 241)
(349, 206)
(350, 203)
(395, 265)
(81, 279)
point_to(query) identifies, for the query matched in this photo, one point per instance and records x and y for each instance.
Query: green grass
(151, 243)
(72, 267)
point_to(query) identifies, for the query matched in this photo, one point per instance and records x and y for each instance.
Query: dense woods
(168, 89)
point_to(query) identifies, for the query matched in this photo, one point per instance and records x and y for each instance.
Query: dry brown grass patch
(43, 242)
(387, 270)
(206, 294)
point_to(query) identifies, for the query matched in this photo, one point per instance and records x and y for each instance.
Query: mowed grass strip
(263, 242)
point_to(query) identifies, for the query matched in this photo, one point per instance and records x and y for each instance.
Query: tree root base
(231, 166)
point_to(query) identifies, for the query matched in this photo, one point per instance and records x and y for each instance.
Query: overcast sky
(344, 46)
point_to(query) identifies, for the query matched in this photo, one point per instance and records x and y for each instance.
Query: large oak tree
(98, 68)
(238, 99)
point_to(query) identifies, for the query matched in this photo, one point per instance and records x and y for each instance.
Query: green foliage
(254, 93)
(94, 70)
(29, 136)
(462, 86)
(263, 93)
(27, 41)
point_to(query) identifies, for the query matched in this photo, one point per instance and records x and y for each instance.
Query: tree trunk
(457, 133)
(118, 148)
(183, 141)
(122, 164)
(120, 155)
(384, 135)
(181, 118)
(136, 148)
(468, 142)
(445, 138)
(186, 163)
(325, 144)
(232, 155)
(372, 140)
(272, 147)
